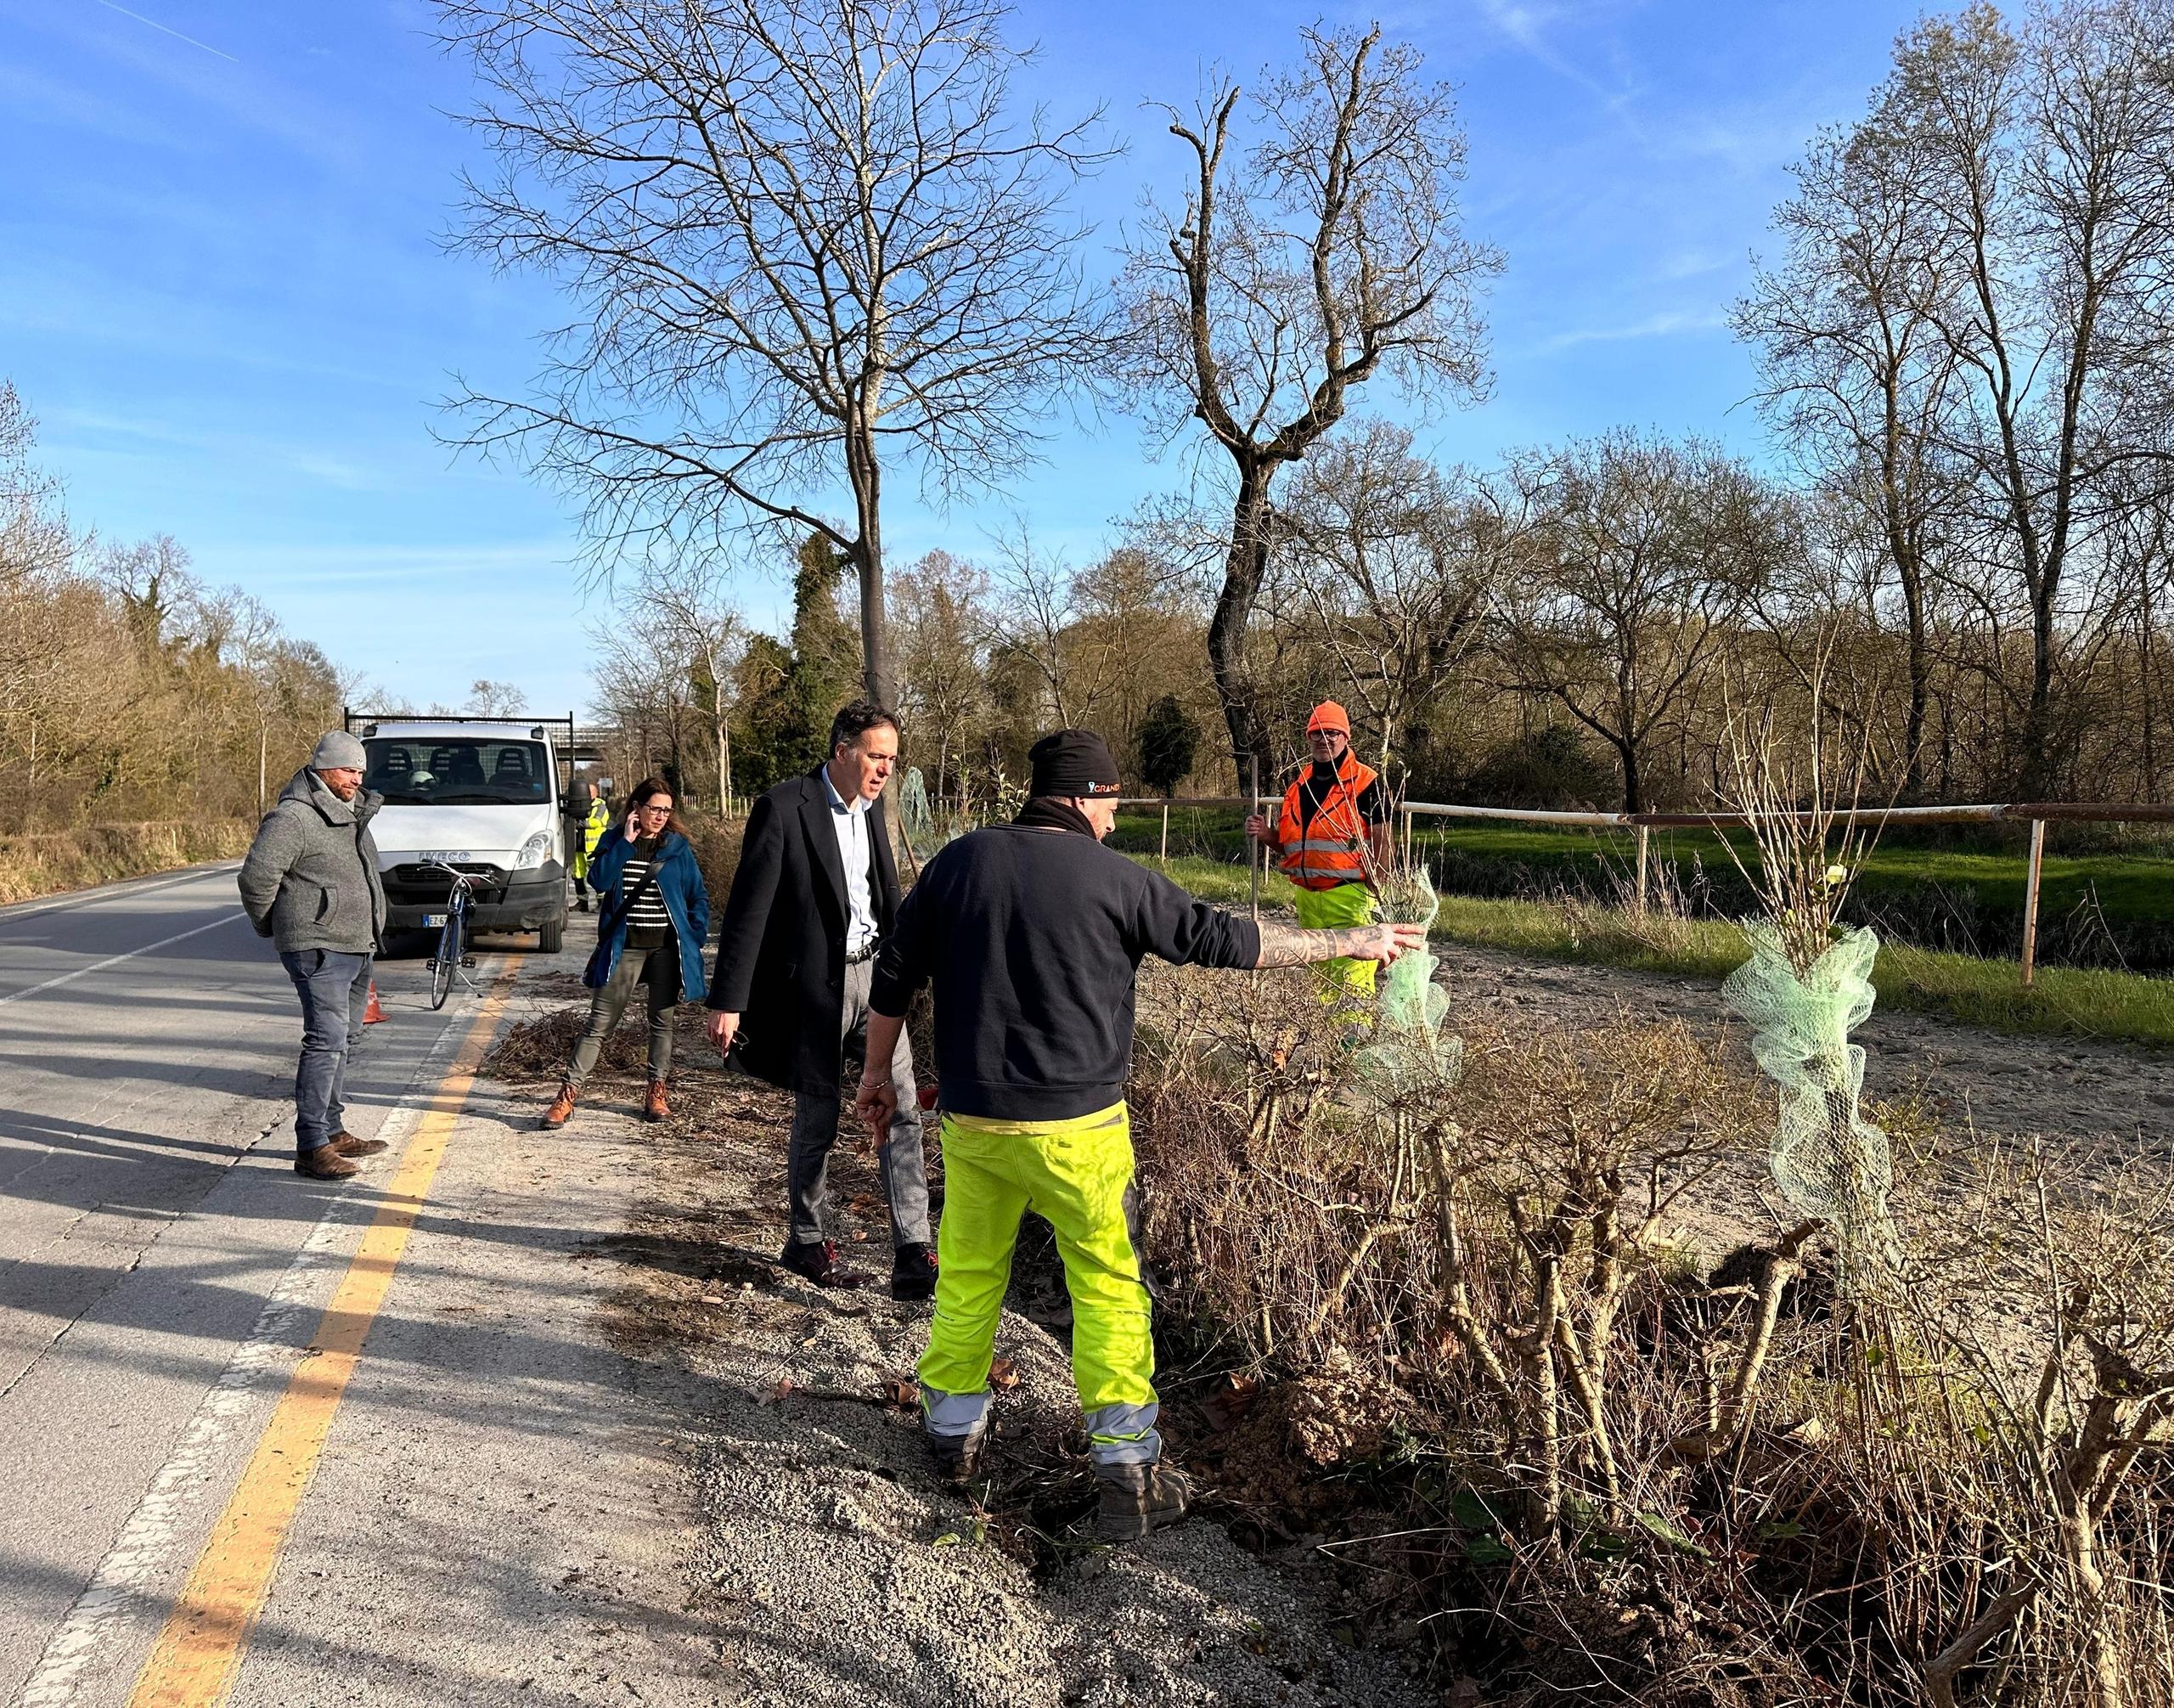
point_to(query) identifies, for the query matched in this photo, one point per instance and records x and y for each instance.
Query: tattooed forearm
(1287, 946)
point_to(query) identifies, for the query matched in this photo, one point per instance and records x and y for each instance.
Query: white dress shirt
(851, 824)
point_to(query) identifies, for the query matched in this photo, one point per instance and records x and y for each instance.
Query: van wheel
(551, 934)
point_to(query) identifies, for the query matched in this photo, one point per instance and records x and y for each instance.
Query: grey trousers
(815, 1130)
(659, 970)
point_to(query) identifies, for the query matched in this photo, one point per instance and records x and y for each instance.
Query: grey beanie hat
(337, 749)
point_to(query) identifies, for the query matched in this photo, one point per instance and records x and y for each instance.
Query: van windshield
(462, 771)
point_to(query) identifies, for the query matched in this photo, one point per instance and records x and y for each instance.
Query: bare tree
(940, 608)
(1394, 563)
(489, 699)
(1333, 251)
(1035, 608)
(1639, 558)
(687, 598)
(1856, 375)
(805, 239)
(2048, 159)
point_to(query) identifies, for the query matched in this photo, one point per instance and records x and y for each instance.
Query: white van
(482, 796)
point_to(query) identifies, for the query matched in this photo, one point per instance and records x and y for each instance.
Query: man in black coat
(814, 897)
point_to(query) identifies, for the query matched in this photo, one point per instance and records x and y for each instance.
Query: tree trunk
(1920, 669)
(724, 768)
(866, 554)
(2035, 782)
(1634, 789)
(1244, 568)
(2149, 721)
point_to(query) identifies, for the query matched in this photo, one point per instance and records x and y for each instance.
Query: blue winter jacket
(679, 886)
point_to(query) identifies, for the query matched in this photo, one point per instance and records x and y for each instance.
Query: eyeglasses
(652, 807)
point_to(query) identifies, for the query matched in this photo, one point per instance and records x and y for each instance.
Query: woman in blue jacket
(651, 927)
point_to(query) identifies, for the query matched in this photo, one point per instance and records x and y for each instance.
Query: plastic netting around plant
(914, 818)
(1411, 1050)
(1827, 1160)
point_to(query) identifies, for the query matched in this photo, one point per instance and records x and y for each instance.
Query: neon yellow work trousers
(1077, 1174)
(1346, 985)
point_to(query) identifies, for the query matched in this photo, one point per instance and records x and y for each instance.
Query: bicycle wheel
(442, 969)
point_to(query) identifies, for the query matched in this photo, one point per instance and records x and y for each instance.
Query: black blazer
(781, 949)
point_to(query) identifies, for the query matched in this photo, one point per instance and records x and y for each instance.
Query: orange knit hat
(1328, 715)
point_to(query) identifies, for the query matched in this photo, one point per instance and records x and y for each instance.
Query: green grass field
(2065, 1001)
(2100, 905)
(2136, 884)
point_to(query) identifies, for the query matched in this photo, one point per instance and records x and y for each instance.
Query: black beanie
(1072, 763)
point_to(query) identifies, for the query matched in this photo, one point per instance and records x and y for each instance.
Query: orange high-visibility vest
(1329, 849)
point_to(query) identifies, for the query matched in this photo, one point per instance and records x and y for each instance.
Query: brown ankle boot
(326, 1164)
(562, 1107)
(654, 1107)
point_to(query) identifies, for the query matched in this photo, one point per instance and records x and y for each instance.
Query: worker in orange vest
(1331, 837)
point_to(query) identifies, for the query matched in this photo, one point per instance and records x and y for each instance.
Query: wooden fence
(2036, 814)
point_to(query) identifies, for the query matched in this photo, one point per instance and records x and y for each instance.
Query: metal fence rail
(2036, 814)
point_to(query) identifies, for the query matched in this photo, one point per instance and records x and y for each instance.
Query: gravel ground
(828, 1563)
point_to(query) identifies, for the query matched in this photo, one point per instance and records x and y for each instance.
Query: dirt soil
(831, 1565)
(2121, 1096)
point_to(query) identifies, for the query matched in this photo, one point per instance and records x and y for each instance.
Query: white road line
(130, 955)
(147, 1542)
(110, 891)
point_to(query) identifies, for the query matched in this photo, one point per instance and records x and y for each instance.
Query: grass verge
(2066, 1001)
(50, 863)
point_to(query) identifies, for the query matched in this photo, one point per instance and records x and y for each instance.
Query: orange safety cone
(374, 1013)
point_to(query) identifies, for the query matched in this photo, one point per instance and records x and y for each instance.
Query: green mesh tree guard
(1827, 1160)
(1410, 1051)
(914, 818)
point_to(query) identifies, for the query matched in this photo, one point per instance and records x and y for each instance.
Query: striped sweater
(649, 924)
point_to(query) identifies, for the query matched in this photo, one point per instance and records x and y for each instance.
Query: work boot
(581, 903)
(562, 1107)
(347, 1145)
(1137, 1499)
(654, 1107)
(817, 1260)
(913, 1272)
(326, 1164)
(955, 1455)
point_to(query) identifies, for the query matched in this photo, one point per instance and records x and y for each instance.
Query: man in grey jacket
(310, 884)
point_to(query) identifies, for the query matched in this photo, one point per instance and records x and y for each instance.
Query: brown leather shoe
(326, 1164)
(654, 1107)
(347, 1145)
(562, 1107)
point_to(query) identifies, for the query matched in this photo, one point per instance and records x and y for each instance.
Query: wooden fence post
(1645, 848)
(2030, 903)
(1166, 832)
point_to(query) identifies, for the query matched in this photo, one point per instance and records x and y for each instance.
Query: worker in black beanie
(1032, 934)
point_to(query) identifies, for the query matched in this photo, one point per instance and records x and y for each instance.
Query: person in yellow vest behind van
(586, 824)
(1331, 838)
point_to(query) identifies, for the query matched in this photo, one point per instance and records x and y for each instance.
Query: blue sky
(222, 292)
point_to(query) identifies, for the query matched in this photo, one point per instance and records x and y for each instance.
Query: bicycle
(451, 956)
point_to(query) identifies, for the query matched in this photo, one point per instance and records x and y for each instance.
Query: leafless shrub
(1458, 1332)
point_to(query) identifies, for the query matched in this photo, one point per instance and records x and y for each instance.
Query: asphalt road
(173, 1299)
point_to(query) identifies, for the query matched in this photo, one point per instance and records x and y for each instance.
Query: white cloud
(1668, 323)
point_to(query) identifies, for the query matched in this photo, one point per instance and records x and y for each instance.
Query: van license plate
(432, 919)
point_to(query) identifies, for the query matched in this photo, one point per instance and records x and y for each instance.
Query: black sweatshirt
(1032, 938)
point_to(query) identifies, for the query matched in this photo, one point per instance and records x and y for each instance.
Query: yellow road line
(200, 1649)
